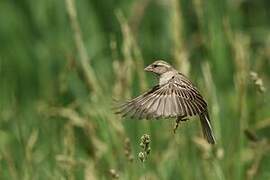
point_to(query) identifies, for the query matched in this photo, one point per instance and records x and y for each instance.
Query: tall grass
(62, 64)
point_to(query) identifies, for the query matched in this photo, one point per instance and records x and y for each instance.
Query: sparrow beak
(148, 68)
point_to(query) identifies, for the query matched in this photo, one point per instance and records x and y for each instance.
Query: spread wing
(175, 98)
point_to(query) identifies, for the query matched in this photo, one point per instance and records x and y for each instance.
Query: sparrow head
(159, 67)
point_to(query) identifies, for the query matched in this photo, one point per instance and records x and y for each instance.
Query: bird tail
(206, 128)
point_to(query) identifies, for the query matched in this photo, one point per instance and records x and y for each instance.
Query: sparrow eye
(155, 65)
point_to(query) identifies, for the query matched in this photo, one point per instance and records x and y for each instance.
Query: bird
(174, 96)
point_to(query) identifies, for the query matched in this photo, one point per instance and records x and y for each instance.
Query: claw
(177, 122)
(184, 119)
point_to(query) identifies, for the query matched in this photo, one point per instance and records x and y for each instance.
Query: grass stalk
(180, 53)
(88, 72)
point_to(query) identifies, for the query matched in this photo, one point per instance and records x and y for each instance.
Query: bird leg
(177, 122)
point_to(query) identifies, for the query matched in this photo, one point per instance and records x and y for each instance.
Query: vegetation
(62, 64)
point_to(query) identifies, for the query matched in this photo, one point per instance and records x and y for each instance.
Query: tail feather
(206, 128)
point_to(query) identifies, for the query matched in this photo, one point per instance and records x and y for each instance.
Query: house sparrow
(174, 97)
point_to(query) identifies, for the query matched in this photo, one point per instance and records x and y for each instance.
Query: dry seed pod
(146, 149)
(258, 82)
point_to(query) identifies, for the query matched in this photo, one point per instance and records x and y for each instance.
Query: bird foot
(184, 119)
(177, 122)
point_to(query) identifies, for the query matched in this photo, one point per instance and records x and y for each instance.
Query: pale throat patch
(165, 77)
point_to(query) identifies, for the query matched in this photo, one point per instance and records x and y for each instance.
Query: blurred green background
(63, 62)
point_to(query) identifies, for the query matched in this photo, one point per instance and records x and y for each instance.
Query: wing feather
(175, 98)
(188, 108)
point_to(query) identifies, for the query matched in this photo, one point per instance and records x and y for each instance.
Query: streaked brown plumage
(174, 96)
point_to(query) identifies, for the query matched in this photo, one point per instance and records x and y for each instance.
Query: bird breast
(165, 77)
